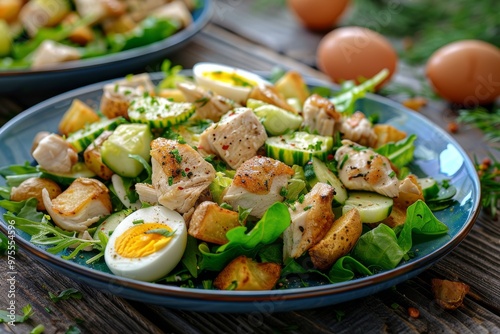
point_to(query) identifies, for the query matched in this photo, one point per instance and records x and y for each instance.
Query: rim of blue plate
(201, 16)
(255, 296)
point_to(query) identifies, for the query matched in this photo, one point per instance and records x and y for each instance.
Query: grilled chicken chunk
(54, 154)
(82, 204)
(236, 138)
(320, 115)
(358, 129)
(257, 184)
(180, 174)
(311, 220)
(361, 168)
(50, 53)
(117, 96)
(208, 104)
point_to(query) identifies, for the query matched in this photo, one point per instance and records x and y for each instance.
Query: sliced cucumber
(159, 112)
(254, 104)
(127, 139)
(430, 187)
(5, 39)
(276, 120)
(109, 224)
(81, 139)
(372, 207)
(78, 170)
(317, 171)
(298, 148)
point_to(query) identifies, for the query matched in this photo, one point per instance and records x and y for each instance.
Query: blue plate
(72, 74)
(437, 155)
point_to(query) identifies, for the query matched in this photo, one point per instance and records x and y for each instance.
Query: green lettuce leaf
(345, 101)
(399, 153)
(419, 220)
(346, 268)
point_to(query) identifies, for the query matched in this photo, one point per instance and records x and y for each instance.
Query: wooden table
(257, 39)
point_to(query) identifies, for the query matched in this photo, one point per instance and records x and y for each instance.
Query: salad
(176, 183)
(39, 33)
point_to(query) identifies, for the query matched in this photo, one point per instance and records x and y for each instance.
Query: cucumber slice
(5, 39)
(276, 120)
(159, 112)
(317, 171)
(430, 187)
(298, 148)
(127, 139)
(78, 170)
(254, 104)
(372, 207)
(109, 224)
(81, 139)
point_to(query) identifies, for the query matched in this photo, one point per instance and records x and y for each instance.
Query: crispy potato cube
(245, 274)
(410, 191)
(292, 85)
(76, 117)
(387, 133)
(338, 241)
(80, 35)
(33, 187)
(210, 223)
(93, 158)
(9, 9)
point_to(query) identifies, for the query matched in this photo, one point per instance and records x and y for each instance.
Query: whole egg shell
(157, 264)
(236, 93)
(466, 72)
(318, 14)
(354, 53)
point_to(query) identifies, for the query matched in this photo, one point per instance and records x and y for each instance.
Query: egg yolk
(230, 78)
(136, 242)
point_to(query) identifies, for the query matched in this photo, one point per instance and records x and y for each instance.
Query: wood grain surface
(247, 37)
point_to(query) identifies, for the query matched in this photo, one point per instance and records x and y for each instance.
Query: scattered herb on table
(66, 294)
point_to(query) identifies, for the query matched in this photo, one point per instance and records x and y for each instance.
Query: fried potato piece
(33, 187)
(93, 157)
(245, 274)
(76, 117)
(210, 223)
(292, 85)
(387, 133)
(338, 241)
(449, 295)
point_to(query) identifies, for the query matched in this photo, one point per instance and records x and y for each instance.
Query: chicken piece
(236, 138)
(320, 115)
(208, 104)
(55, 155)
(177, 11)
(38, 13)
(140, 9)
(180, 174)
(147, 193)
(100, 9)
(361, 168)
(311, 220)
(270, 94)
(358, 129)
(50, 53)
(257, 184)
(117, 96)
(83, 203)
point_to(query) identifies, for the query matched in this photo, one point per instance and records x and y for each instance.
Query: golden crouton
(245, 274)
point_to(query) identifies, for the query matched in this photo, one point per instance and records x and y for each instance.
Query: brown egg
(466, 72)
(353, 53)
(318, 14)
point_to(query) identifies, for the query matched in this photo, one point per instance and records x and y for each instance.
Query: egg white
(158, 264)
(236, 93)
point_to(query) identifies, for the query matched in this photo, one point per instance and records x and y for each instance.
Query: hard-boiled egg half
(230, 82)
(147, 244)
